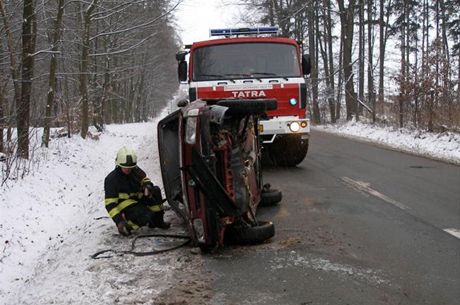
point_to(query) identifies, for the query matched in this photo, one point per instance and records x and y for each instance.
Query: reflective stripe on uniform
(146, 179)
(128, 196)
(108, 201)
(133, 225)
(120, 207)
(113, 212)
(123, 195)
(155, 208)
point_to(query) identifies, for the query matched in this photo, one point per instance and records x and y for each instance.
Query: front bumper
(269, 129)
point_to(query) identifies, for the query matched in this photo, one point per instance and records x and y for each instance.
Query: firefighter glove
(123, 228)
(153, 192)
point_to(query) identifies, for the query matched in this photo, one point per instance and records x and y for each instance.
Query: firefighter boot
(158, 221)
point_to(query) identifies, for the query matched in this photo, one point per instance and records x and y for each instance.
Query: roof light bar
(244, 31)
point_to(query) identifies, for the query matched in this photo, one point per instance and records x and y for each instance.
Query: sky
(53, 219)
(196, 17)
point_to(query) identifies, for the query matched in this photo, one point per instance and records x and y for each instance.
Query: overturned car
(211, 169)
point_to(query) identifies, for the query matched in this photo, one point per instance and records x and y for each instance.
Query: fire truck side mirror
(180, 56)
(182, 71)
(306, 64)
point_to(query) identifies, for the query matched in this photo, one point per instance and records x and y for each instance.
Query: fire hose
(146, 253)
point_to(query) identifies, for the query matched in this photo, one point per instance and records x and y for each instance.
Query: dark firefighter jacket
(122, 191)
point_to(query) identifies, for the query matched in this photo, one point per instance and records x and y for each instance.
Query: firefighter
(131, 199)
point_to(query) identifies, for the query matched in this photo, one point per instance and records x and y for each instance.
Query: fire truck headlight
(190, 130)
(293, 102)
(294, 126)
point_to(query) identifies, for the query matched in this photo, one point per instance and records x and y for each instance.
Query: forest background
(71, 64)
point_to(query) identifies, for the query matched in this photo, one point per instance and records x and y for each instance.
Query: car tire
(270, 197)
(244, 234)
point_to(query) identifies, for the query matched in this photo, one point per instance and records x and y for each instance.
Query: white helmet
(126, 157)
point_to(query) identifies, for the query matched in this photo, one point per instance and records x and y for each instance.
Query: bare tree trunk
(14, 70)
(346, 20)
(271, 15)
(409, 11)
(28, 48)
(52, 76)
(314, 70)
(361, 60)
(370, 65)
(66, 103)
(458, 80)
(426, 23)
(381, 55)
(329, 60)
(105, 99)
(446, 73)
(84, 69)
(383, 36)
(416, 84)
(402, 80)
(339, 82)
(437, 50)
(2, 101)
(2, 121)
(445, 43)
(322, 47)
(431, 110)
(424, 66)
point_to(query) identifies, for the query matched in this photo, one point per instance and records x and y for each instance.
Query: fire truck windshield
(245, 60)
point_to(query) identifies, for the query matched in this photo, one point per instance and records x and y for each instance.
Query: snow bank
(54, 219)
(443, 146)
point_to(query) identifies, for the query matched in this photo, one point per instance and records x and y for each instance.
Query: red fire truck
(255, 63)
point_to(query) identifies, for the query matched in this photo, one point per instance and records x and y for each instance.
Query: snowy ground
(50, 226)
(50, 223)
(443, 146)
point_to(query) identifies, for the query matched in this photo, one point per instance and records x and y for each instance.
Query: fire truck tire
(289, 151)
(250, 235)
(248, 106)
(270, 197)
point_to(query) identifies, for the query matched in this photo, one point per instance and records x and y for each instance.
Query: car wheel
(245, 234)
(270, 197)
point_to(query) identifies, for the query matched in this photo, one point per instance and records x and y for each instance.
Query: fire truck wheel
(244, 107)
(288, 151)
(245, 234)
(270, 197)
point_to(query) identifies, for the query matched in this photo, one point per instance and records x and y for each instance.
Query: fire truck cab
(254, 63)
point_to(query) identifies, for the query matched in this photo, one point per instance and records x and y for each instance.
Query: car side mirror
(182, 71)
(306, 64)
(182, 103)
